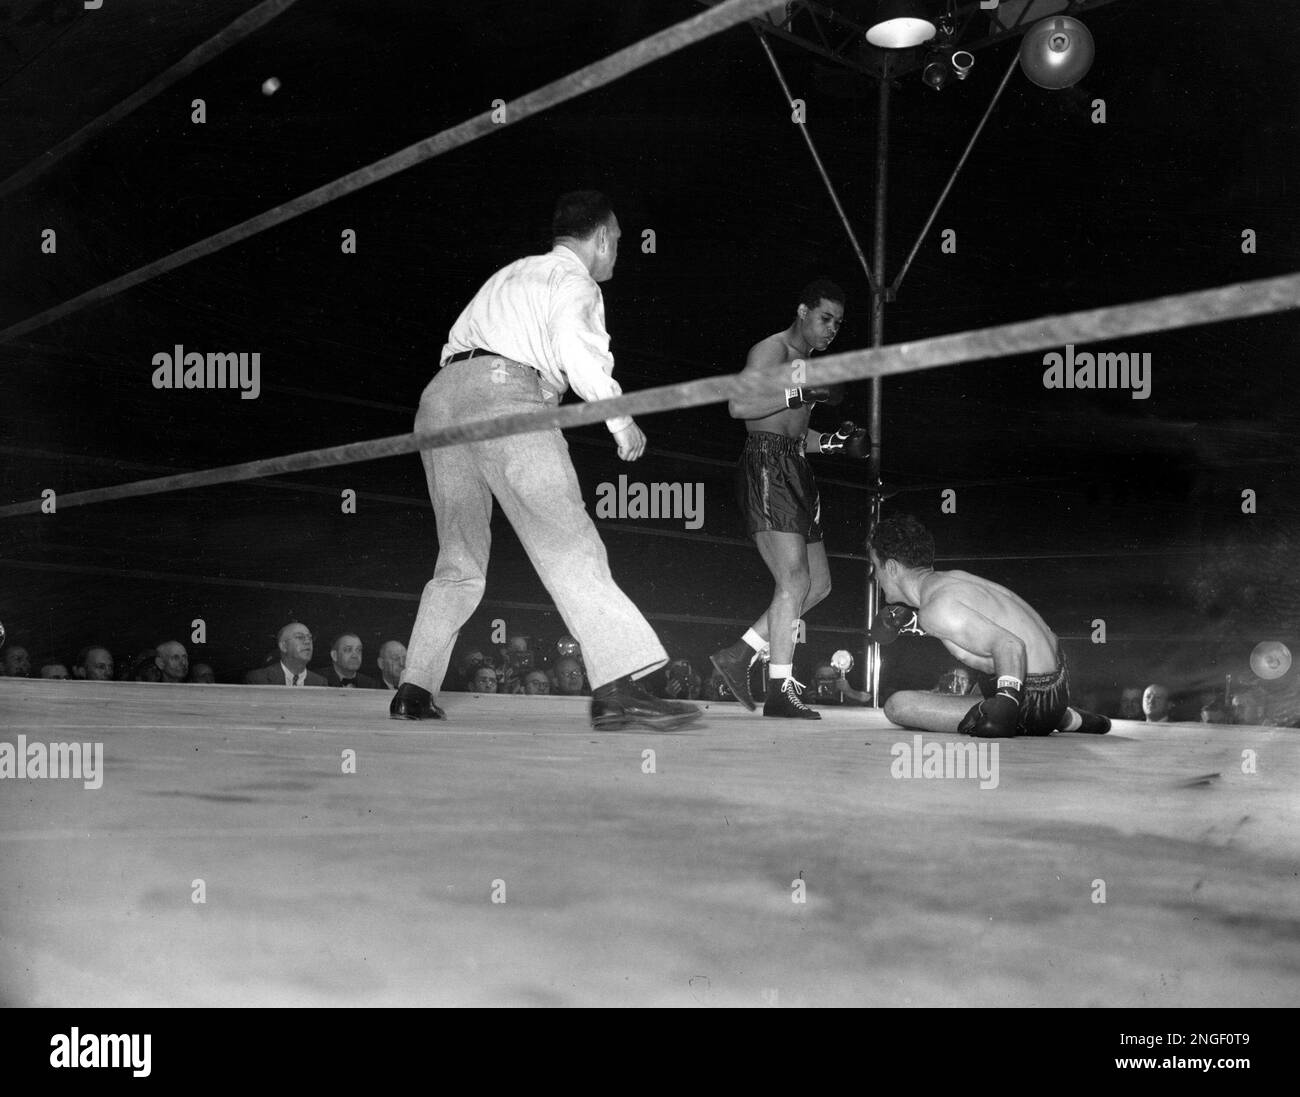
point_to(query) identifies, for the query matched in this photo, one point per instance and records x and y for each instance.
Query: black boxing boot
(1092, 723)
(733, 664)
(784, 700)
(623, 703)
(412, 702)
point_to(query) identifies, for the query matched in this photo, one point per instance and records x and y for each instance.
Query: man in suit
(295, 646)
(345, 664)
(391, 663)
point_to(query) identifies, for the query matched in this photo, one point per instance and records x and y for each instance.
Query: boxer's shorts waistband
(1051, 678)
(762, 441)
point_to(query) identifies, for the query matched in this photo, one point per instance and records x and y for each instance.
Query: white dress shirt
(289, 676)
(547, 312)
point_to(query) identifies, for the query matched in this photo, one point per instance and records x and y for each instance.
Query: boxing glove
(835, 443)
(829, 394)
(893, 620)
(858, 445)
(996, 717)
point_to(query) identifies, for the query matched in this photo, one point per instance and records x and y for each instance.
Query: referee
(536, 327)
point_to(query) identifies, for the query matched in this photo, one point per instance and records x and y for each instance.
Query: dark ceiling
(1053, 213)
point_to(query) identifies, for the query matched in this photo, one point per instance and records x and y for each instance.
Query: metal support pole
(925, 229)
(821, 170)
(872, 651)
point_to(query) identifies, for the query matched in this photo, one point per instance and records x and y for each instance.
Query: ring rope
(235, 32)
(586, 79)
(1229, 302)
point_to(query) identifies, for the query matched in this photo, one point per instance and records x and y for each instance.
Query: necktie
(295, 678)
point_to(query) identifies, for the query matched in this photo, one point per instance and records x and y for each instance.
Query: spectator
(681, 682)
(345, 664)
(201, 674)
(52, 668)
(391, 663)
(956, 680)
(569, 679)
(1214, 712)
(830, 687)
(824, 686)
(1155, 704)
(717, 689)
(517, 661)
(143, 668)
(568, 647)
(173, 661)
(1250, 706)
(485, 680)
(290, 669)
(17, 663)
(1130, 704)
(468, 667)
(536, 684)
(94, 664)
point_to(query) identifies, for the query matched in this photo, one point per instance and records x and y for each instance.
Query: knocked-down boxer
(987, 627)
(779, 500)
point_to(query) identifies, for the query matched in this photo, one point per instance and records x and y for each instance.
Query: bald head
(95, 664)
(392, 661)
(172, 660)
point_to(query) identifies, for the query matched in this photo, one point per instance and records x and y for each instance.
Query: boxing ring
(622, 887)
(243, 850)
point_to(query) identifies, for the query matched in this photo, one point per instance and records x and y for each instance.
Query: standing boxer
(779, 500)
(536, 327)
(987, 627)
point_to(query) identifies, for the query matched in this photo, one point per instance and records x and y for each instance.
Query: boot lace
(792, 690)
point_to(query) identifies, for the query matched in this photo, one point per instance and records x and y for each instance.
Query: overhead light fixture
(1057, 52)
(901, 24)
(941, 65)
(936, 71)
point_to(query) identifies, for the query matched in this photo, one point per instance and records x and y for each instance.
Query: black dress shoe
(414, 703)
(622, 703)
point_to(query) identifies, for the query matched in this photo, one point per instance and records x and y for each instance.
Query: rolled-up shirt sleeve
(581, 344)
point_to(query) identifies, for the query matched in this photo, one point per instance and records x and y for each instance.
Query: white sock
(779, 672)
(1072, 720)
(755, 641)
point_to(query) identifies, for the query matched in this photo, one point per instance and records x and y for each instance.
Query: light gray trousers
(532, 477)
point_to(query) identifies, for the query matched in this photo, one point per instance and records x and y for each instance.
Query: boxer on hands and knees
(778, 497)
(986, 627)
(536, 327)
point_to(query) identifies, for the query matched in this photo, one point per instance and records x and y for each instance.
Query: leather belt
(477, 352)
